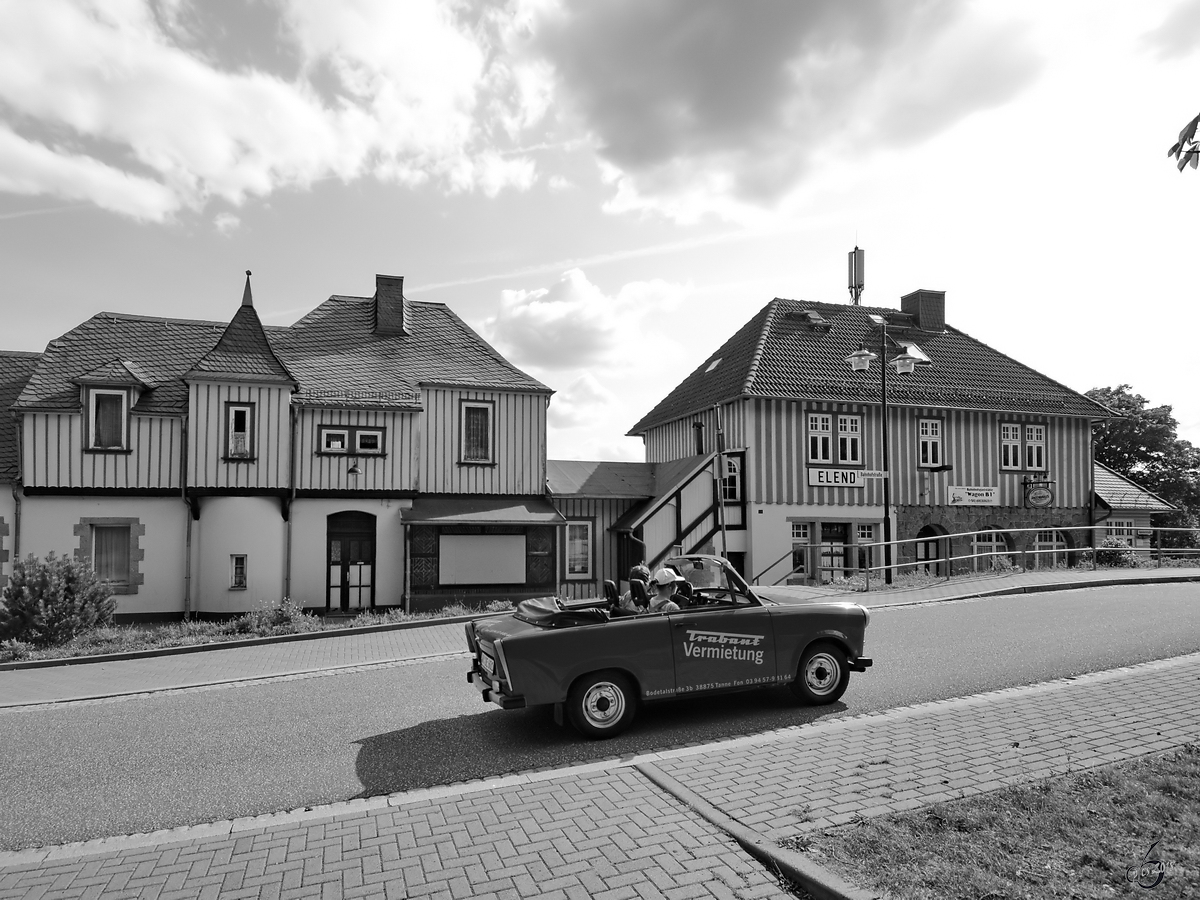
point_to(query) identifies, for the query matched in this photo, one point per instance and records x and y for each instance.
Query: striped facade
(606, 562)
(209, 464)
(777, 458)
(394, 469)
(676, 440)
(518, 465)
(53, 454)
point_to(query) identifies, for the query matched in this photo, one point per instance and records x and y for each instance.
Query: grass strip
(1126, 830)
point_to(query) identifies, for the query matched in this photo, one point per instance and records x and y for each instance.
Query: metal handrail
(1091, 550)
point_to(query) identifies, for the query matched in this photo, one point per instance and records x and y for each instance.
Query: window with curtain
(110, 552)
(108, 420)
(477, 433)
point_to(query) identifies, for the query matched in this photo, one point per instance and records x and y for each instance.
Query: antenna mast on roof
(857, 262)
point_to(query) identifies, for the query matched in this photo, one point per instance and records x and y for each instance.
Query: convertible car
(598, 662)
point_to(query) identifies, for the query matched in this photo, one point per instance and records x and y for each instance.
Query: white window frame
(588, 573)
(326, 432)
(801, 541)
(1010, 444)
(984, 553)
(820, 437)
(234, 560)
(93, 395)
(849, 440)
(1121, 528)
(865, 532)
(731, 484)
(491, 432)
(1035, 448)
(929, 443)
(231, 411)
(358, 447)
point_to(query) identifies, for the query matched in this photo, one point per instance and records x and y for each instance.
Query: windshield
(708, 572)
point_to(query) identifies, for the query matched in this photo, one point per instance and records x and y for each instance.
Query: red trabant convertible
(598, 661)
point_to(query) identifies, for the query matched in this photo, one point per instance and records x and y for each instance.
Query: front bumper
(861, 664)
(492, 689)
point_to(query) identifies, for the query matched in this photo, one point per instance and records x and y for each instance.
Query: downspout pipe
(187, 515)
(287, 565)
(17, 491)
(721, 482)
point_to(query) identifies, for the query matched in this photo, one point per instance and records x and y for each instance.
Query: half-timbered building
(376, 453)
(979, 444)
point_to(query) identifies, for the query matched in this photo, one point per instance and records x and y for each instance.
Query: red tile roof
(785, 352)
(15, 369)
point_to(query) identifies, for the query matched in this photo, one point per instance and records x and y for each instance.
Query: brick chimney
(389, 304)
(927, 309)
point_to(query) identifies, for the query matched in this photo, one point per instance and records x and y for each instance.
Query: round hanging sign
(1039, 496)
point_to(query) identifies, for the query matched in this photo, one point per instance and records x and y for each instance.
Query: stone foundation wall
(955, 519)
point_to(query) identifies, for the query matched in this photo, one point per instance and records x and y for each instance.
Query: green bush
(286, 618)
(49, 602)
(1116, 553)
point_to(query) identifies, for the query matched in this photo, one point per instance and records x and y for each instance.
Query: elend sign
(850, 478)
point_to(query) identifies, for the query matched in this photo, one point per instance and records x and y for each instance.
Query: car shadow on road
(500, 742)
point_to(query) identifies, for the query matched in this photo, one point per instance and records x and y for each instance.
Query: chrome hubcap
(604, 704)
(822, 674)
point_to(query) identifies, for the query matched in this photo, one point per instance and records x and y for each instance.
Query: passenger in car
(635, 600)
(664, 586)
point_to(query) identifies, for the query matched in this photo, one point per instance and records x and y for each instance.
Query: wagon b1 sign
(961, 495)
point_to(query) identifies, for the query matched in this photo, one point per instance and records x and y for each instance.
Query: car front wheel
(601, 705)
(823, 675)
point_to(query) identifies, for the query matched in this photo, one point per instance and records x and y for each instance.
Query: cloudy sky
(593, 186)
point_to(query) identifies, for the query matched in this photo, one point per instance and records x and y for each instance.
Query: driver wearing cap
(664, 582)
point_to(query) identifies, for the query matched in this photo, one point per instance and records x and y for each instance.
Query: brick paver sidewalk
(54, 683)
(605, 830)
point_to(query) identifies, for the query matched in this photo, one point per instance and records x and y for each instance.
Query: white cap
(665, 576)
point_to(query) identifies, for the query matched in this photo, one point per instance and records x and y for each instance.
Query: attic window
(712, 365)
(108, 412)
(914, 350)
(813, 319)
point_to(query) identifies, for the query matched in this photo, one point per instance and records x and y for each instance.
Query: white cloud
(580, 403)
(226, 223)
(103, 97)
(702, 106)
(573, 324)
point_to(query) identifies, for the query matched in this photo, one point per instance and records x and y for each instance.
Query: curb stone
(234, 645)
(817, 880)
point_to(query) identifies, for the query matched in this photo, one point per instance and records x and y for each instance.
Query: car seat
(639, 594)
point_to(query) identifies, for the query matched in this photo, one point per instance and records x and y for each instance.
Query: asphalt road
(82, 771)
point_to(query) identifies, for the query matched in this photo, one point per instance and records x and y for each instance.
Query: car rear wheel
(601, 705)
(822, 676)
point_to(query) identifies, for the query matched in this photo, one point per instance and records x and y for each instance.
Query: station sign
(847, 478)
(964, 495)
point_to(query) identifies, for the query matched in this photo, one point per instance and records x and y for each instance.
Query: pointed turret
(243, 353)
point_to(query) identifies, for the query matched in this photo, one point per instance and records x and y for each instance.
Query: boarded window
(241, 420)
(110, 552)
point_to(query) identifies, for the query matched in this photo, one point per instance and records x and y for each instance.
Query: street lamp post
(860, 361)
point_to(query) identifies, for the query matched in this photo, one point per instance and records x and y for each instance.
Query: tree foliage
(1144, 447)
(1186, 150)
(51, 601)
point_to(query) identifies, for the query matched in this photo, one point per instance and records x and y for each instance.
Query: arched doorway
(350, 561)
(1050, 549)
(933, 554)
(990, 550)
